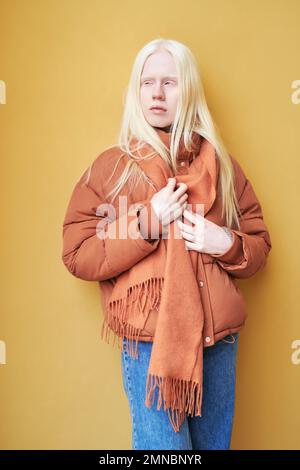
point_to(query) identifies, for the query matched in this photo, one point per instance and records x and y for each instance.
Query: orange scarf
(167, 280)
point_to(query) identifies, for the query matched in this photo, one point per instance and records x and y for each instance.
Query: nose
(157, 92)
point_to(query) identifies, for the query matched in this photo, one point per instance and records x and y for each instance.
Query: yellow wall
(65, 64)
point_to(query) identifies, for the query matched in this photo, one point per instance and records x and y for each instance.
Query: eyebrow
(170, 76)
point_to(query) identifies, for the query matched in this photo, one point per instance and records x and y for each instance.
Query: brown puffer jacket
(108, 261)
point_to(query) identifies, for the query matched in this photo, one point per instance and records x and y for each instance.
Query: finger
(177, 210)
(198, 220)
(191, 246)
(179, 192)
(197, 216)
(183, 198)
(181, 204)
(186, 228)
(190, 216)
(171, 181)
(188, 236)
(182, 187)
(184, 206)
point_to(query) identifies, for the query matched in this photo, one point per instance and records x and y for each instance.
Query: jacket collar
(183, 153)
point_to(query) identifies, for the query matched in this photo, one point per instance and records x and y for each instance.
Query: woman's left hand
(205, 236)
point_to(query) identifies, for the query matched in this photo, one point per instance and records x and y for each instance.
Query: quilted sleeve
(96, 244)
(251, 244)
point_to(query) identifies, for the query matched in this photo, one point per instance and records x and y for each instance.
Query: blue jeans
(151, 428)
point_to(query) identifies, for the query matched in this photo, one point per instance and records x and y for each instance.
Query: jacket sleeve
(251, 244)
(92, 257)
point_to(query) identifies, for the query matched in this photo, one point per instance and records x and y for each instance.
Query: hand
(168, 204)
(205, 236)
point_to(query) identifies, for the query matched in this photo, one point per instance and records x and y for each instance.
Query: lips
(158, 107)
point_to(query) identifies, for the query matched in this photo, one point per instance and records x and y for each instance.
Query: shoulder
(102, 167)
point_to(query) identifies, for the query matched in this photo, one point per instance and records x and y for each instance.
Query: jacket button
(182, 163)
(201, 283)
(207, 339)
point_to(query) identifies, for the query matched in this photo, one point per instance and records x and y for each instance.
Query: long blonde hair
(192, 114)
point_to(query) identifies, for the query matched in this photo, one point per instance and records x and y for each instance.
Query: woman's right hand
(169, 204)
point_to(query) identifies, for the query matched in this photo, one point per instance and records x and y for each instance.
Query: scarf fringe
(120, 331)
(145, 295)
(179, 396)
(139, 299)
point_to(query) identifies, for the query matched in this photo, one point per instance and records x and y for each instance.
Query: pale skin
(159, 86)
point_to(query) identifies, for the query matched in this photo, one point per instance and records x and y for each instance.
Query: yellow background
(66, 65)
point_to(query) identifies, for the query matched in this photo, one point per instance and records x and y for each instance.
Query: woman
(168, 287)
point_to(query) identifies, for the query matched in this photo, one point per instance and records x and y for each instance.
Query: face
(159, 87)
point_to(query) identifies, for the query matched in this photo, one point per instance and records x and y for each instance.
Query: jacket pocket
(227, 300)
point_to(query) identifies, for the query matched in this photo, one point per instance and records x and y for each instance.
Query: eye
(148, 81)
